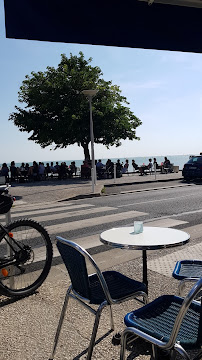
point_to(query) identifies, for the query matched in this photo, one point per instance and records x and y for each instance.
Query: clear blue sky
(164, 90)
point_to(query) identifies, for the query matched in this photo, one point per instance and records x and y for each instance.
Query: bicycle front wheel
(25, 278)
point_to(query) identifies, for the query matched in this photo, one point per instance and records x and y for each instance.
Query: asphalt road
(155, 201)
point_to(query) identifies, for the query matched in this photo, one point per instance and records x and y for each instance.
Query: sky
(163, 88)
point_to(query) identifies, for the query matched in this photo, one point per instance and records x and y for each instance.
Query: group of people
(152, 166)
(37, 171)
(104, 170)
(101, 169)
(107, 170)
(122, 168)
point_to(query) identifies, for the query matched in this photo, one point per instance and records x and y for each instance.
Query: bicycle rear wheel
(30, 274)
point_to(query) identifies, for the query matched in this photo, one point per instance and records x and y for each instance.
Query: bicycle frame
(19, 254)
(4, 234)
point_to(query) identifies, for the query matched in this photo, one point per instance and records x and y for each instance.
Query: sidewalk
(29, 324)
(72, 189)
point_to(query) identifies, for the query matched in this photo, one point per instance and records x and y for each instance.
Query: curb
(149, 189)
(98, 194)
(141, 182)
(81, 196)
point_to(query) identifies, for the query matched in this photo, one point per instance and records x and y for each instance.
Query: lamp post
(89, 94)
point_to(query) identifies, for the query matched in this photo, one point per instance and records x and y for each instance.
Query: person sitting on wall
(41, 171)
(146, 167)
(27, 168)
(155, 164)
(73, 168)
(22, 170)
(52, 168)
(85, 170)
(109, 168)
(61, 171)
(166, 165)
(166, 162)
(57, 167)
(134, 165)
(119, 167)
(5, 171)
(35, 171)
(100, 169)
(125, 167)
(47, 169)
(14, 171)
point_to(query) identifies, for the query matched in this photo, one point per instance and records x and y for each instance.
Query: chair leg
(181, 287)
(60, 323)
(145, 299)
(161, 354)
(173, 355)
(155, 352)
(199, 356)
(123, 345)
(95, 327)
(111, 318)
(181, 351)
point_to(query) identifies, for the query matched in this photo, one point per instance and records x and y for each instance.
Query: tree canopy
(55, 112)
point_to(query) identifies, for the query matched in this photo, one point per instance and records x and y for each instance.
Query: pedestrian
(134, 165)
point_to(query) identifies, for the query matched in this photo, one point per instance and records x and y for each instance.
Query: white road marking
(48, 210)
(65, 215)
(80, 224)
(153, 201)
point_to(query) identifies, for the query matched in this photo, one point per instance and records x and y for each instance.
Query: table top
(150, 239)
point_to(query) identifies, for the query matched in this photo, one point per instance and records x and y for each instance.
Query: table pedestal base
(144, 261)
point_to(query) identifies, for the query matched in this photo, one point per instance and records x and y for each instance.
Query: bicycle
(25, 252)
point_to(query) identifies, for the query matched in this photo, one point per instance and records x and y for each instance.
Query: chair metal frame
(172, 345)
(184, 279)
(85, 302)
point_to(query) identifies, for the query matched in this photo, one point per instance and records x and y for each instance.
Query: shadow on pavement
(4, 300)
(97, 342)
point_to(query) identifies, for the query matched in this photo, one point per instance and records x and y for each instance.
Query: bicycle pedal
(22, 270)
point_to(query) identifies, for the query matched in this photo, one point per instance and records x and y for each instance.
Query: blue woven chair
(187, 271)
(170, 323)
(101, 288)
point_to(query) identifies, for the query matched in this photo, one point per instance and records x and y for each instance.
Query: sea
(178, 160)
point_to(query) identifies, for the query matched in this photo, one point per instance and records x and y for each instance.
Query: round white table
(151, 238)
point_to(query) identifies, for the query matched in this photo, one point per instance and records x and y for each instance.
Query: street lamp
(89, 94)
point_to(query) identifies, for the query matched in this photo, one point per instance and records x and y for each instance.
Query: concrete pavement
(28, 325)
(71, 189)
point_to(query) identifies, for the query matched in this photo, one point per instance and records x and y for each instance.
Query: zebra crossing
(91, 216)
(59, 219)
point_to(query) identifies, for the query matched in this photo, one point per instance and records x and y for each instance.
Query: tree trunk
(86, 151)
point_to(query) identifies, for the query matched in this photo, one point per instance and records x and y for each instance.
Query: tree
(56, 112)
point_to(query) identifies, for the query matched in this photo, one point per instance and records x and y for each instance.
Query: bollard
(155, 170)
(114, 173)
(95, 176)
(93, 180)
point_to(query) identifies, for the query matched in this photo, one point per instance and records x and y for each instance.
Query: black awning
(127, 23)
